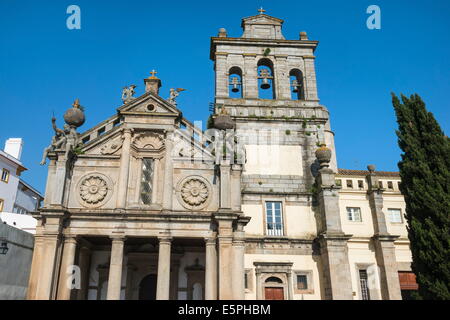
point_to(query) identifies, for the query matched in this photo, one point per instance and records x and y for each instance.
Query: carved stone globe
(223, 122)
(75, 115)
(323, 154)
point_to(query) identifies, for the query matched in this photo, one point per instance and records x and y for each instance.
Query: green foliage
(77, 150)
(266, 52)
(426, 188)
(288, 132)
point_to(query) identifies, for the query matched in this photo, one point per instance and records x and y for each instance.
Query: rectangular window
(350, 184)
(147, 181)
(2, 202)
(5, 175)
(354, 214)
(339, 182)
(365, 294)
(360, 184)
(390, 185)
(380, 184)
(274, 219)
(302, 282)
(395, 215)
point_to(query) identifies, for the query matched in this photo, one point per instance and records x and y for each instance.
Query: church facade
(145, 205)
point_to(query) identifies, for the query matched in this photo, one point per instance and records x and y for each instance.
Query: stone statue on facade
(66, 139)
(174, 93)
(127, 93)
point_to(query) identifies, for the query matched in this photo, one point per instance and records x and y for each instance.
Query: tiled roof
(348, 172)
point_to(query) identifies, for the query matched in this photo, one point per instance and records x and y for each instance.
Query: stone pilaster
(310, 79)
(211, 269)
(282, 81)
(332, 240)
(250, 77)
(115, 268)
(221, 75)
(238, 270)
(383, 241)
(225, 238)
(163, 279)
(122, 187)
(225, 184)
(168, 172)
(236, 173)
(48, 256)
(65, 272)
(59, 182)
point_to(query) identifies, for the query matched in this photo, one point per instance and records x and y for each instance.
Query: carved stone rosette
(194, 192)
(94, 190)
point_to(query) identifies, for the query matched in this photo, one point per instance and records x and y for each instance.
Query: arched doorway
(147, 287)
(273, 289)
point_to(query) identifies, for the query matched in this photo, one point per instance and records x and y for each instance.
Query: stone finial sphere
(74, 117)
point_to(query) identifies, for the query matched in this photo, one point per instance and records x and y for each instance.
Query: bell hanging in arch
(295, 86)
(235, 83)
(265, 84)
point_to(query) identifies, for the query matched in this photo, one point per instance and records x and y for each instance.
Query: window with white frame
(2, 202)
(395, 215)
(274, 218)
(354, 214)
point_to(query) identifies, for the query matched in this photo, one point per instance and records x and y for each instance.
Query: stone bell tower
(267, 84)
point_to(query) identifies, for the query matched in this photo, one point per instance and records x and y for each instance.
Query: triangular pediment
(149, 103)
(262, 19)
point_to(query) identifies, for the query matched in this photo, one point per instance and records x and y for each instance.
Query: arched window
(266, 79)
(297, 85)
(274, 279)
(235, 83)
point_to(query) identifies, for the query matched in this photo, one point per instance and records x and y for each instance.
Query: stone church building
(145, 205)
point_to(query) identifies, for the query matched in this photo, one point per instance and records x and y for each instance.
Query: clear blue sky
(44, 66)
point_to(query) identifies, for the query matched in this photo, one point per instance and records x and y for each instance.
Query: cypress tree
(424, 171)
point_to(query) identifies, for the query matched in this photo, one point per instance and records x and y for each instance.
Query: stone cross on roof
(153, 72)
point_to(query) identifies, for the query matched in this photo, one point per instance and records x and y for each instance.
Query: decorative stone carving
(111, 147)
(194, 192)
(127, 93)
(94, 189)
(148, 140)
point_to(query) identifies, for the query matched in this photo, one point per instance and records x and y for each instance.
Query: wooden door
(274, 293)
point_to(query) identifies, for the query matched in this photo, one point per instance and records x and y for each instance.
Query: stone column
(290, 286)
(124, 169)
(48, 266)
(66, 271)
(332, 240)
(35, 267)
(163, 279)
(168, 173)
(383, 241)
(84, 263)
(211, 270)
(115, 268)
